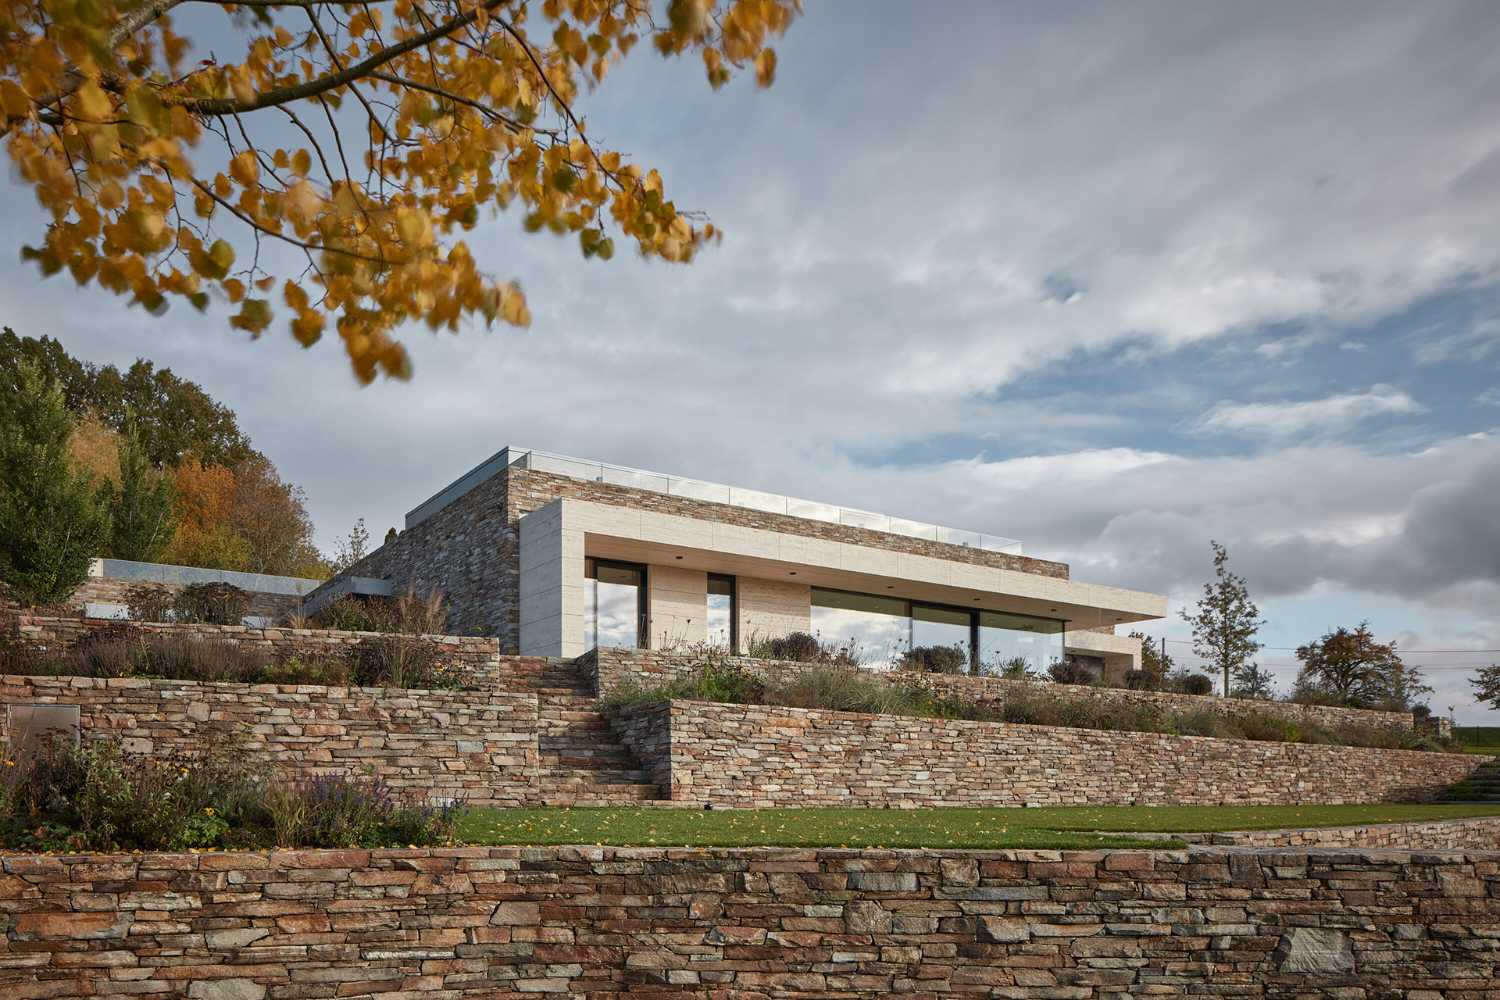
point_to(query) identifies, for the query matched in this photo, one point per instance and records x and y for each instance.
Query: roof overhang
(690, 543)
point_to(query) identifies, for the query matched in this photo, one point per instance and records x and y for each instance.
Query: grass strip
(1051, 828)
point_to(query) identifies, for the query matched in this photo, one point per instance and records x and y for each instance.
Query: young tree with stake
(1225, 624)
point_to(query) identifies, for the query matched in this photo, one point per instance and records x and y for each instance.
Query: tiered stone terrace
(528, 730)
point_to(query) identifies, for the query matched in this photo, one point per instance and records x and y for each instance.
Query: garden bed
(931, 696)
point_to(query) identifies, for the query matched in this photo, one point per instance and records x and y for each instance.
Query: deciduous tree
(53, 518)
(364, 137)
(1350, 667)
(352, 548)
(1486, 684)
(174, 417)
(204, 507)
(1225, 623)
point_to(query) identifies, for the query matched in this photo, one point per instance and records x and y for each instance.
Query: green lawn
(975, 828)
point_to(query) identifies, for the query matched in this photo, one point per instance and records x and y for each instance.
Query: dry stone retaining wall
(609, 669)
(760, 756)
(1477, 833)
(751, 924)
(477, 659)
(480, 747)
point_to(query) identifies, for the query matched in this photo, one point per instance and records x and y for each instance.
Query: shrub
(332, 671)
(212, 603)
(402, 662)
(409, 614)
(1183, 682)
(149, 602)
(1068, 671)
(347, 614)
(67, 797)
(714, 680)
(936, 660)
(1141, 680)
(337, 811)
(1015, 669)
(802, 647)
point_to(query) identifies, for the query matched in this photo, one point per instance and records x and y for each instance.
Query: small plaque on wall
(28, 725)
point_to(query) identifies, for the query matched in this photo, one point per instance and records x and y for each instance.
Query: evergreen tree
(141, 510)
(1224, 627)
(53, 520)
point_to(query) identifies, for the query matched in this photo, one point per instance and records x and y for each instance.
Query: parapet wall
(763, 755)
(481, 747)
(472, 923)
(610, 668)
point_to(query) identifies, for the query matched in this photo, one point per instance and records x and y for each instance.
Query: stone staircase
(1482, 785)
(582, 764)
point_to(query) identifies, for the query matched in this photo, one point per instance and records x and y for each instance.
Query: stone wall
(470, 549)
(751, 924)
(750, 755)
(1480, 833)
(476, 658)
(481, 747)
(611, 668)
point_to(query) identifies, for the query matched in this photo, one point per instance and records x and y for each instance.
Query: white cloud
(1489, 397)
(1329, 415)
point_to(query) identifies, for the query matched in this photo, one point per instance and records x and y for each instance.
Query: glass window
(876, 629)
(613, 604)
(1011, 643)
(943, 635)
(721, 612)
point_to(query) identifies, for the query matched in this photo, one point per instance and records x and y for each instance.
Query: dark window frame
(734, 609)
(973, 613)
(591, 566)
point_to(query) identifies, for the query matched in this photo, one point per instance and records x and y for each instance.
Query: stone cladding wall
(477, 746)
(760, 756)
(751, 924)
(471, 549)
(610, 668)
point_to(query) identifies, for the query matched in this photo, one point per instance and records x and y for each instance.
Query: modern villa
(556, 555)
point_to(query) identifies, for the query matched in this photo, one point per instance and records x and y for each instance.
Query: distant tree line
(139, 464)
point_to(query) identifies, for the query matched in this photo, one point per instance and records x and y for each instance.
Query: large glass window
(877, 630)
(721, 613)
(1012, 643)
(614, 604)
(884, 631)
(942, 636)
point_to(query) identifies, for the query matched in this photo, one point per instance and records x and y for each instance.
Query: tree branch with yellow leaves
(152, 156)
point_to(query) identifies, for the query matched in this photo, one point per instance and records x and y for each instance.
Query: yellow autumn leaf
(245, 168)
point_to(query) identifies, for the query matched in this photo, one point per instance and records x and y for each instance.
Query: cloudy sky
(1112, 279)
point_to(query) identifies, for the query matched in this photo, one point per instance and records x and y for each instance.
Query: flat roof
(698, 489)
